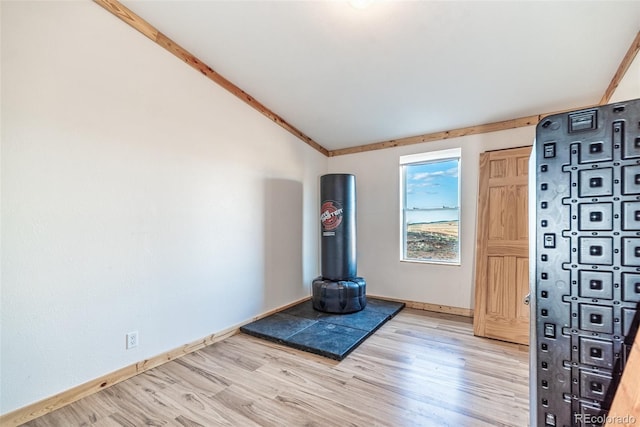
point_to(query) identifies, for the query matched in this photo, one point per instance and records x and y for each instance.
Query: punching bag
(338, 290)
(338, 220)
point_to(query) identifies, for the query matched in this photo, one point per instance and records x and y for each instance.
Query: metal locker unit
(587, 269)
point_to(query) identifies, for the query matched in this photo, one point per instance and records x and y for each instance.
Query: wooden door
(502, 250)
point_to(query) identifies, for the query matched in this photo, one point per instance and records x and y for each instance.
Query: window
(430, 207)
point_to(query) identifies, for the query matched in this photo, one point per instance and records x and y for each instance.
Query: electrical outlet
(132, 340)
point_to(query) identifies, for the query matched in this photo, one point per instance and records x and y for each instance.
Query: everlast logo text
(330, 215)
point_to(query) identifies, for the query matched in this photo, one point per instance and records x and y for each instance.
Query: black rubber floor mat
(329, 335)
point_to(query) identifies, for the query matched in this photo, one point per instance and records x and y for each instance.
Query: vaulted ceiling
(346, 77)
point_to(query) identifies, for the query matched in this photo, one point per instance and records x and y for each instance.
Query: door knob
(527, 299)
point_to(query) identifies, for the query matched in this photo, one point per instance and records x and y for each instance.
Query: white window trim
(452, 153)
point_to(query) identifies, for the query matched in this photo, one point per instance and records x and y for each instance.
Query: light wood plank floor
(419, 369)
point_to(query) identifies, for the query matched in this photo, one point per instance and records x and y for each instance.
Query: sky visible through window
(432, 185)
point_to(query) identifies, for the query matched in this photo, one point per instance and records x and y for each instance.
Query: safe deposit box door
(587, 285)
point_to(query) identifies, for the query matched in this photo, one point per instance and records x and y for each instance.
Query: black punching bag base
(340, 297)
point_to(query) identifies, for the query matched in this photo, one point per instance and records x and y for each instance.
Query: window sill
(426, 261)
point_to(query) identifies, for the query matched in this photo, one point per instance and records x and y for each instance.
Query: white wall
(136, 195)
(378, 192)
(378, 188)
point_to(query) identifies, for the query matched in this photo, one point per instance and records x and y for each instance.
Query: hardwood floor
(419, 369)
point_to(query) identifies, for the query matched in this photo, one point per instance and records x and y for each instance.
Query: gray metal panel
(586, 236)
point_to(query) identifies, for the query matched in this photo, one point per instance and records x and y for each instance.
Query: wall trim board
(438, 136)
(127, 16)
(57, 401)
(454, 133)
(438, 308)
(622, 69)
(119, 10)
